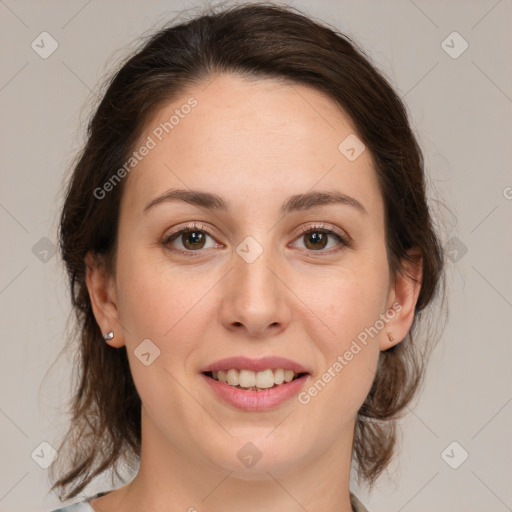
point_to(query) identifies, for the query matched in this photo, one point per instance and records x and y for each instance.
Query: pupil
(194, 237)
(316, 237)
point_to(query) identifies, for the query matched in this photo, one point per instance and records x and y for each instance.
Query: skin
(255, 143)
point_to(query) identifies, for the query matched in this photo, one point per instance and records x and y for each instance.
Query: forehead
(249, 140)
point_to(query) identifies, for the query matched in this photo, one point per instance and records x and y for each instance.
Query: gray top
(84, 506)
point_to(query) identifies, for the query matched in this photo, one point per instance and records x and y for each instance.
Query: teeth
(248, 379)
(232, 377)
(265, 379)
(288, 375)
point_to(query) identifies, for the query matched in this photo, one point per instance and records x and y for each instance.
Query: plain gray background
(460, 108)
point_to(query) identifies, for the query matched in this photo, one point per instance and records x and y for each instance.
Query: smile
(251, 397)
(254, 381)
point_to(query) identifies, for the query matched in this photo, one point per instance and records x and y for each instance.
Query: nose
(256, 298)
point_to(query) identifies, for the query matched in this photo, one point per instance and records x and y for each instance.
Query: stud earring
(390, 338)
(108, 336)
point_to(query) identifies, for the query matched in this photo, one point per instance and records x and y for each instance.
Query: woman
(250, 251)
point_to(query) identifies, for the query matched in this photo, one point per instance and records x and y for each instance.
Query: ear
(101, 287)
(402, 301)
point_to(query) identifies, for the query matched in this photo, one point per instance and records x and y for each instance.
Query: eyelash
(345, 242)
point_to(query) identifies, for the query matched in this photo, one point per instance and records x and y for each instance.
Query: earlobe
(403, 299)
(100, 285)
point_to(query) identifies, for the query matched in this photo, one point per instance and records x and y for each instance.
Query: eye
(192, 238)
(317, 238)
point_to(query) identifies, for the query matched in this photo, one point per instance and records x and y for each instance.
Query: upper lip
(256, 365)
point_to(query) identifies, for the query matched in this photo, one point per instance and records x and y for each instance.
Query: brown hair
(260, 40)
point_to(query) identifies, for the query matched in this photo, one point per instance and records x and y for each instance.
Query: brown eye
(193, 239)
(316, 240)
(190, 239)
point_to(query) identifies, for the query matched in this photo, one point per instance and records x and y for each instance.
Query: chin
(253, 458)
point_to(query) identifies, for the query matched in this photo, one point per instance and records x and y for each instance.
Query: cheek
(164, 307)
(150, 299)
(349, 358)
(354, 300)
(170, 305)
(351, 306)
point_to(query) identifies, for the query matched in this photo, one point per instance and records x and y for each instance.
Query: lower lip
(256, 400)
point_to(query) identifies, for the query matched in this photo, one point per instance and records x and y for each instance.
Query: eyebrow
(298, 202)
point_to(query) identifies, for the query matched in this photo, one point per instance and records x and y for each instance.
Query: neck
(185, 481)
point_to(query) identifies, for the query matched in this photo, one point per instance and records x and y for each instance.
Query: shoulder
(357, 505)
(83, 506)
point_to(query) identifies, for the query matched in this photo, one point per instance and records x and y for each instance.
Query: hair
(257, 41)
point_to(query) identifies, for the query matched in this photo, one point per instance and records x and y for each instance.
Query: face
(309, 283)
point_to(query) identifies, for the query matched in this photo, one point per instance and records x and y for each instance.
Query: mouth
(255, 384)
(249, 380)
(253, 391)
